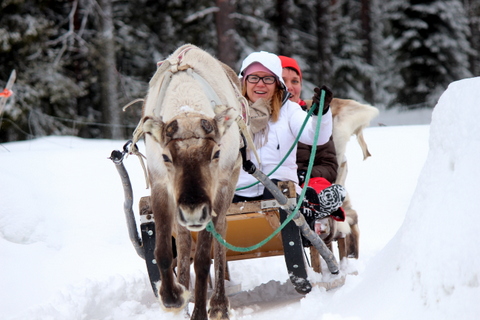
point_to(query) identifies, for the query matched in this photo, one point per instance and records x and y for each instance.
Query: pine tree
(254, 29)
(472, 7)
(429, 42)
(350, 69)
(37, 39)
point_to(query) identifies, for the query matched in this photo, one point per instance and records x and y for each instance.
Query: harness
(166, 69)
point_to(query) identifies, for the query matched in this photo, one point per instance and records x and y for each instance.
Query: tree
(430, 47)
(472, 7)
(283, 23)
(37, 38)
(350, 70)
(323, 33)
(226, 47)
(368, 46)
(254, 29)
(107, 71)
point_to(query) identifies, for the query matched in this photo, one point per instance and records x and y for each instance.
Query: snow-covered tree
(254, 29)
(350, 69)
(37, 39)
(405, 51)
(429, 42)
(472, 7)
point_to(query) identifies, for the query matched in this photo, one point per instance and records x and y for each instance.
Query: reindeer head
(191, 152)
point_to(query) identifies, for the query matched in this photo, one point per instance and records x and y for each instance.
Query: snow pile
(431, 269)
(65, 251)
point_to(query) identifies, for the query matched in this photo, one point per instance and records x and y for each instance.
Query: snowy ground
(65, 251)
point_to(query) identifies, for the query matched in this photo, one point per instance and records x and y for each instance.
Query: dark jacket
(325, 163)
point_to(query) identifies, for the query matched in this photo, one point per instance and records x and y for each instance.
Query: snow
(65, 251)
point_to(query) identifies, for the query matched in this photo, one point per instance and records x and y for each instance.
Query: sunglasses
(255, 79)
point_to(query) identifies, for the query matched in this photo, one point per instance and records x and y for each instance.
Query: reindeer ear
(154, 128)
(224, 117)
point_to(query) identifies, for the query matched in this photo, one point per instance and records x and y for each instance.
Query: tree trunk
(368, 51)
(283, 28)
(226, 48)
(107, 72)
(472, 7)
(324, 51)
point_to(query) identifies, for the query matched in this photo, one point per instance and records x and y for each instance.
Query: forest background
(78, 62)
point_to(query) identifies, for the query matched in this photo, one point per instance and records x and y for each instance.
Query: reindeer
(192, 148)
(349, 118)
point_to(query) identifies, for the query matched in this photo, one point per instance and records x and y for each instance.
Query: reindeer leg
(184, 248)
(342, 248)
(202, 263)
(171, 295)
(219, 304)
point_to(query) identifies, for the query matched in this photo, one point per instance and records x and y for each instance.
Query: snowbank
(65, 251)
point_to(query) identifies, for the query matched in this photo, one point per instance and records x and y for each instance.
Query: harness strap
(207, 88)
(165, 68)
(165, 71)
(247, 138)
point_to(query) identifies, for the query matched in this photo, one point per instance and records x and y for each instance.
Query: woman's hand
(328, 98)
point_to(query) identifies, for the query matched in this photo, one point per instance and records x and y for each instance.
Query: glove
(301, 176)
(328, 98)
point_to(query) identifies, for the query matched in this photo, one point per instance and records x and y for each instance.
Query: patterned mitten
(331, 199)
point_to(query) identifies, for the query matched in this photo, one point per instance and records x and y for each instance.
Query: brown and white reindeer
(192, 149)
(349, 118)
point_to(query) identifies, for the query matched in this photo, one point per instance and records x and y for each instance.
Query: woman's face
(259, 90)
(293, 82)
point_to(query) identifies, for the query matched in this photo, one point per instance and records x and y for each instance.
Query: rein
(211, 228)
(310, 112)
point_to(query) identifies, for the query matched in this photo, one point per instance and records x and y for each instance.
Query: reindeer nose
(194, 218)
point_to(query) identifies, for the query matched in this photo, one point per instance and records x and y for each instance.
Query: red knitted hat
(288, 62)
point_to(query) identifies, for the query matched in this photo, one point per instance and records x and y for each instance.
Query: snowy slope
(65, 251)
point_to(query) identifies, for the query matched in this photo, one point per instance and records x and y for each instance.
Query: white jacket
(281, 136)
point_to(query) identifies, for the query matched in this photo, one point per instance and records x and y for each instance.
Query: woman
(275, 123)
(325, 163)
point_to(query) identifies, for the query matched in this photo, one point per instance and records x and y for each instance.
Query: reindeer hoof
(218, 311)
(175, 299)
(218, 315)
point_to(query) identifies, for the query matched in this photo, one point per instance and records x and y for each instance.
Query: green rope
(310, 112)
(211, 228)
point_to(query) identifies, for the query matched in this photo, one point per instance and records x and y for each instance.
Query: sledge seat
(249, 223)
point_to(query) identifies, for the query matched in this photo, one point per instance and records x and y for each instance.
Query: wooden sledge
(249, 223)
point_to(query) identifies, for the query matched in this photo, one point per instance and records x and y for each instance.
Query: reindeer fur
(193, 163)
(349, 118)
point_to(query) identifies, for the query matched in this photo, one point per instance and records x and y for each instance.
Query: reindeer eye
(166, 158)
(216, 155)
